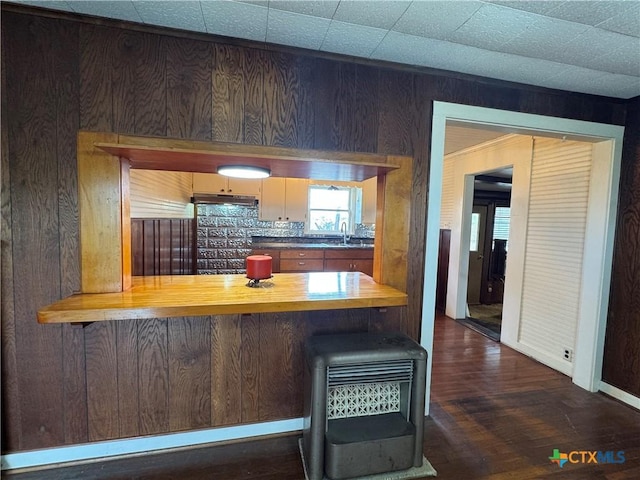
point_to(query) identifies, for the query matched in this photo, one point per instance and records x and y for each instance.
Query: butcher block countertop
(194, 295)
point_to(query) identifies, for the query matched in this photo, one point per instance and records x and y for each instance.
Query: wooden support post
(104, 189)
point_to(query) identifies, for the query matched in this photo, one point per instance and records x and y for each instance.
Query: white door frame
(590, 340)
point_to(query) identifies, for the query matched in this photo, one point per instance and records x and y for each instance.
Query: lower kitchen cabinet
(302, 260)
(318, 259)
(349, 260)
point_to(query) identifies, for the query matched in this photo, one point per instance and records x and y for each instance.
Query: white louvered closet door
(559, 194)
(160, 194)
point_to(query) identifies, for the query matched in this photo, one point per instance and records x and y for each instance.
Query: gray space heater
(364, 405)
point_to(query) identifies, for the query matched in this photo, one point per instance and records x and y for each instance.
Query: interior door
(476, 253)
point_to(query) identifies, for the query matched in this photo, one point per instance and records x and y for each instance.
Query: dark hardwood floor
(495, 414)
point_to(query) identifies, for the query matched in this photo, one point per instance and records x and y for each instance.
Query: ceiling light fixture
(243, 171)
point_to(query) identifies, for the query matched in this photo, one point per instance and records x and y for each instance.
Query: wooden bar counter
(196, 295)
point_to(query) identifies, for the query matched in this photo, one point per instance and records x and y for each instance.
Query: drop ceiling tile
(514, 68)
(545, 38)
(287, 28)
(603, 50)
(622, 61)
(492, 26)
(435, 19)
(533, 6)
(580, 79)
(627, 21)
(236, 19)
(612, 85)
(120, 10)
(260, 3)
(185, 15)
(350, 39)
(371, 13)
(320, 8)
(587, 12)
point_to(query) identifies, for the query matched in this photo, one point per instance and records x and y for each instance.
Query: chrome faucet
(343, 230)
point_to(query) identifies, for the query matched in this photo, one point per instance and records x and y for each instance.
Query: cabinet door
(349, 265)
(209, 183)
(369, 198)
(243, 186)
(272, 199)
(296, 199)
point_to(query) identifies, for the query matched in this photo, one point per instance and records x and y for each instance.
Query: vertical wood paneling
(153, 376)
(334, 97)
(250, 374)
(189, 373)
(31, 104)
(281, 363)
(124, 71)
(307, 106)
(622, 345)
(102, 381)
(189, 86)
(128, 381)
(281, 100)
(11, 433)
(226, 370)
(67, 122)
(392, 319)
(421, 141)
(325, 322)
(228, 94)
(253, 73)
(96, 106)
(151, 86)
(396, 96)
(162, 246)
(365, 130)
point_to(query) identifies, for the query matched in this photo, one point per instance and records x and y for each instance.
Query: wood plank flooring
(495, 414)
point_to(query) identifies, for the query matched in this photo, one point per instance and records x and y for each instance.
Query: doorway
(601, 222)
(488, 248)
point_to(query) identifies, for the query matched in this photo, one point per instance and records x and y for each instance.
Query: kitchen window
(332, 206)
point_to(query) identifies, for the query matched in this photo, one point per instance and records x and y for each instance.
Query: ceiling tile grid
(587, 46)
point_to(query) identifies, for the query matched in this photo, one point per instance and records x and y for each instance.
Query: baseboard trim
(138, 445)
(621, 395)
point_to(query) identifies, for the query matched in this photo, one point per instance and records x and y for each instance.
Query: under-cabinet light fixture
(243, 171)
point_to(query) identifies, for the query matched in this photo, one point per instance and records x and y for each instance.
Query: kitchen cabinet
(369, 199)
(302, 260)
(214, 183)
(349, 260)
(284, 199)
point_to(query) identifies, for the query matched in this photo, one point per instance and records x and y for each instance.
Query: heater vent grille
(374, 372)
(367, 389)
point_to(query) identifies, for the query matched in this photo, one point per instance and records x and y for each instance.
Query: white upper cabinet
(214, 183)
(284, 199)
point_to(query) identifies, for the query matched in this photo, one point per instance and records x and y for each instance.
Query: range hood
(220, 198)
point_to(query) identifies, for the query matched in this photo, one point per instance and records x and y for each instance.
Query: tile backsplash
(224, 236)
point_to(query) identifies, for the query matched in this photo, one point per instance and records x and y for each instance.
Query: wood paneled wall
(622, 345)
(163, 246)
(65, 385)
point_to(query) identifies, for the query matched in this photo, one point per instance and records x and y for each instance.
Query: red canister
(259, 267)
